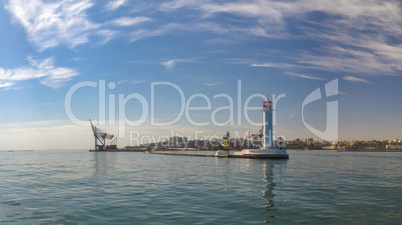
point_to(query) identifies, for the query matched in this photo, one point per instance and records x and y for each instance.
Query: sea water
(312, 187)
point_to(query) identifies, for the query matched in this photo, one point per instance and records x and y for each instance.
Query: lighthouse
(267, 130)
(267, 151)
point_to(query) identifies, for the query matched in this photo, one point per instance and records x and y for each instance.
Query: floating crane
(101, 136)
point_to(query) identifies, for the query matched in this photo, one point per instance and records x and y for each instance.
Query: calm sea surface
(312, 187)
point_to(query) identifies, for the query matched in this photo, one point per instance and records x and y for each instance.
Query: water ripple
(312, 187)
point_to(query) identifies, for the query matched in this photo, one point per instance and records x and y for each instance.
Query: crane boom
(100, 136)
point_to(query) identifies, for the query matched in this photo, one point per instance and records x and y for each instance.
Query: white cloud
(165, 29)
(44, 71)
(107, 35)
(379, 59)
(303, 76)
(113, 5)
(49, 24)
(363, 61)
(190, 27)
(272, 12)
(131, 81)
(354, 36)
(295, 66)
(211, 84)
(289, 66)
(129, 21)
(355, 79)
(5, 84)
(169, 64)
(140, 34)
(273, 65)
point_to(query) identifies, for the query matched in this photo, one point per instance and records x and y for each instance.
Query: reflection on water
(272, 171)
(81, 187)
(268, 192)
(102, 161)
(103, 165)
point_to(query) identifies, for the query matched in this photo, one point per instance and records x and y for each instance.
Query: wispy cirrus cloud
(355, 79)
(162, 30)
(360, 36)
(353, 36)
(379, 59)
(44, 71)
(5, 84)
(304, 76)
(106, 35)
(304, 62)
(129, 21)
(284, 66)
(274, 65)
(361, 61)
(131, 81)
(49, 24)
(211, 84)
(115, 4)
(270, 12)
(170, 64)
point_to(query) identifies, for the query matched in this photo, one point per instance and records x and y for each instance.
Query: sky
(144, 69)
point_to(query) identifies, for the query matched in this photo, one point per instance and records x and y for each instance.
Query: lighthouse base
(261, 154)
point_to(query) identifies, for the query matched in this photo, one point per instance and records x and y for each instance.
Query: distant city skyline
(110, 57)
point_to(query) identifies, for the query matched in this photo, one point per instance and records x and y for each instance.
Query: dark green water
(312, 187)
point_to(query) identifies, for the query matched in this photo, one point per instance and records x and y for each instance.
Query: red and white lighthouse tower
(267, 151)
(268, 128)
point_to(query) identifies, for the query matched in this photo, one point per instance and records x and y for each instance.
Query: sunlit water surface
(312, 187)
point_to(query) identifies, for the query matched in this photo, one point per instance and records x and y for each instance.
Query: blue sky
(203, 47)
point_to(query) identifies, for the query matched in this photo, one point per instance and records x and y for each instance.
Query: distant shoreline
(16, 150)
(184, 149)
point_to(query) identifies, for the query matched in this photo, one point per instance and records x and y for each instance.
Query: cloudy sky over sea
(210, 54)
